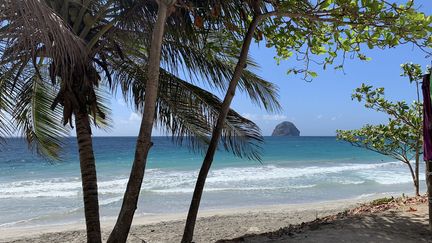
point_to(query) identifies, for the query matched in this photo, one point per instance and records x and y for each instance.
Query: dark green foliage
(381, 201)
(342, 28)
(101, 38)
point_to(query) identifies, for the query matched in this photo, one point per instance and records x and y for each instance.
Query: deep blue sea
(294, 170)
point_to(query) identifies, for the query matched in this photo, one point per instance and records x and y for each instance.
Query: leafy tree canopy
(332, 28)
(401, 137)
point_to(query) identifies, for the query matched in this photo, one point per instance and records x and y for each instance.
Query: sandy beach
(407, 223)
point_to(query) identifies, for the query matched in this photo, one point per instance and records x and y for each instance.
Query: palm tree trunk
(208, 159)
(130, 200)
(88, 177)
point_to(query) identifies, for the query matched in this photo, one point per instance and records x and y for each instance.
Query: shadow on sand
(389, 226)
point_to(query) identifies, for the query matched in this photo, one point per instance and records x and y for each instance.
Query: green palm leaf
(214, 64)
(185, 109)
(5, 109)
(31, 29)
(188, 113)
(41, 126)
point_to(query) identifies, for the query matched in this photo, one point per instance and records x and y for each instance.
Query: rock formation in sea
(286, 128)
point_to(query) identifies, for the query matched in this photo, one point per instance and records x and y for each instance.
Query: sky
(319, 107)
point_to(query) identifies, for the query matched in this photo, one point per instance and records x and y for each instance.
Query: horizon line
(130, 136)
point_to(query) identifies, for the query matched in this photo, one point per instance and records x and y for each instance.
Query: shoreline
(156, 227)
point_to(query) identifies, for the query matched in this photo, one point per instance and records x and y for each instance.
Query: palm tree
(187, 111)
(24, 100)
(217, 132)
(58, 53)
(124, 220)
(163, 18)
(87, 44)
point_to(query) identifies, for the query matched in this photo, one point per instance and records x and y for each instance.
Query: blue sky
(319, 107)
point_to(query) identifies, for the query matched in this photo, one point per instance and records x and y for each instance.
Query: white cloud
(334, 118)
(121, 102)
(274, 117)
(256, 117)
(134, 117)
(319, 116)
(249, 116)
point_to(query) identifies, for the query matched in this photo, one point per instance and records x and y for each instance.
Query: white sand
(232, 223)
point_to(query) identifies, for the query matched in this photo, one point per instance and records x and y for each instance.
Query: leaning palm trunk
(130, 200)
(217, 132)
(88, 177)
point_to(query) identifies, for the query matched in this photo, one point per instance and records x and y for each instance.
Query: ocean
(294, 170)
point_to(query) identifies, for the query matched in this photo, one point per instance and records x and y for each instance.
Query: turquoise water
(294, 170)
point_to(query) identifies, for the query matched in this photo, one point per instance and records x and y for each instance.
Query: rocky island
(286, 128)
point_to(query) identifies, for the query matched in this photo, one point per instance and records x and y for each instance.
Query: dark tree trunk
(419, 144)
(427, 140)
(88, 177)
(429, 190)
(130, 200)
(414, 178)
(208, 159)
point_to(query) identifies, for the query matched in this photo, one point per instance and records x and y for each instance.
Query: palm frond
(41, 126)
(215, 64)
(102, 116)
(262, 92)
(5, 107)
(4, 126)
(186, 109)
(30, 29)
(206, 55)
(189, 113)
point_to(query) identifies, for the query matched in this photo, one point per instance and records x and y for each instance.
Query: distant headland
(286, 128)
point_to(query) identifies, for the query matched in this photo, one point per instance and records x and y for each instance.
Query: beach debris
(383, 204)
(411, 209)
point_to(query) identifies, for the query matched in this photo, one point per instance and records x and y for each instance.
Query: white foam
(216, 189)
(110, 201)
(350, 182)
(9, 224)
(366, 195)
(273, 172)
(389, 177)
(234, 178)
